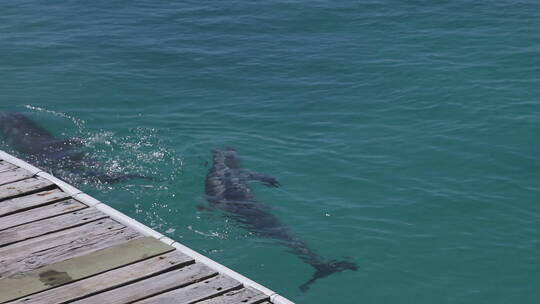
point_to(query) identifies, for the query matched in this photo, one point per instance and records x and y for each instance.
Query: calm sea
(404, 133)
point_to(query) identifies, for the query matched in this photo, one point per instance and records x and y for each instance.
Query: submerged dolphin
(38, 144)
(227, 189)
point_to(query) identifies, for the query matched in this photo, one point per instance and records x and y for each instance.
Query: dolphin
(37, 144)
(227, 188)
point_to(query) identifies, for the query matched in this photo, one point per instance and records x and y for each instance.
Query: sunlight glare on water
(404, 134)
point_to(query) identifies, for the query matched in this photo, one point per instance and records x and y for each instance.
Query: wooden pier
(59, 245)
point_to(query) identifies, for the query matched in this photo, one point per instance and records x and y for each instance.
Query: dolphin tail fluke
(325, 269)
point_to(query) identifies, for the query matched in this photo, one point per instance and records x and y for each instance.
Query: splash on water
(138, 151)
(78, 122)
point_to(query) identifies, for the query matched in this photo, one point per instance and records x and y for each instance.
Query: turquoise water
(404, 134)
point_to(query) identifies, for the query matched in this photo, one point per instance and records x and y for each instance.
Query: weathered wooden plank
(29, 186)
(152, 286)
(53, 224)
(208, 289)
(31, 201)
(55, 247)
(40, 213)
(14, 175)
(105, 262)
(5, 166)
(245, 295)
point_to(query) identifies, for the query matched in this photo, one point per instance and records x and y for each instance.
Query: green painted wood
(122, 276)
(60, 273)
(58, 246)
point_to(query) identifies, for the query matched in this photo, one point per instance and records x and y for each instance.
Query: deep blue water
(404, 133)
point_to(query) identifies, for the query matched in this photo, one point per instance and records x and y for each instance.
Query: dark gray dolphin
(38, 145)
(227, 189)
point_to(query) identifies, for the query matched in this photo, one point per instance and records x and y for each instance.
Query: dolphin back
(23, 134)
(227, 187)
(38, 144)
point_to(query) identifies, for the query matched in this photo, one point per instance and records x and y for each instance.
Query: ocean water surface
(404, 133)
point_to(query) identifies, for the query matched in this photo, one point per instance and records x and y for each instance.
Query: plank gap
(6, 166)
(81, 285)
(245, 295)
(62, 245)
(14, 175)
(40, 185)
(15, 232)
(31, 201)
(201, 279)
(221, 292)
(62, 207)
(150, 276)
(156, 285)
(201, 291)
